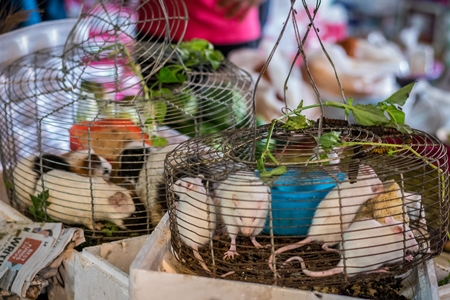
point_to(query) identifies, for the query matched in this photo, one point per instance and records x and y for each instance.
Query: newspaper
(27, 249)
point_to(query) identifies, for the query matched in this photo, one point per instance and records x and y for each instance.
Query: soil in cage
(251, 266)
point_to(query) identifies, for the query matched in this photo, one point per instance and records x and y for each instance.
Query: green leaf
(400, 96)
(300, 105)
(160, 111)
(390, 152)
(171, 74)
(280, 170)
(330, 140)
(196, 45)
(214, 58)
(347, 109)
(32, 210)
(296, 122)
(369, 115)
(162, 92)
(35, 200)
(107, 232)
(403, 128)
(158, 141)
(396, 115)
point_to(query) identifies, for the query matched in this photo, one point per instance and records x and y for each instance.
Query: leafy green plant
(386, 113)
(40, 203)
(444, 281)
(109, 228)
(159, 88)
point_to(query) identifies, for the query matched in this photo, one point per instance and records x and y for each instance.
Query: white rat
(196, 215)
(335, 212)
(73, 197)
(368, 245)
(244, 202)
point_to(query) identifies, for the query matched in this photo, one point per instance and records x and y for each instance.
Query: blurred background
(376, 46)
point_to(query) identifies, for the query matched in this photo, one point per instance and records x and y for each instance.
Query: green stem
(273, 158)
(300, 109)
(136, 70)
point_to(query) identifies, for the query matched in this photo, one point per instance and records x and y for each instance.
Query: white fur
(149, 177)
(24, 181)
(340, 207)
(244, 202)
(71, 199)
(336, 211)
(196, 216)
(368, 245)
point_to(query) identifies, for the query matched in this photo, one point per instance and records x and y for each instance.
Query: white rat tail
(310, 273)
(287, 248)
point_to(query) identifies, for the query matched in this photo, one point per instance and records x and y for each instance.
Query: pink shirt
(206, 21)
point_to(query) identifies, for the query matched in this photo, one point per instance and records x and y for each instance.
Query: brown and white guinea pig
(29, 169)
(87, 163)
(75, 199)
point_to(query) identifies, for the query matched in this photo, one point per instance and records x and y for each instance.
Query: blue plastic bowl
(295, 197)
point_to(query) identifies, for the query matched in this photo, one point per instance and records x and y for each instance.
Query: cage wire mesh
(80, 147)
(371, 206)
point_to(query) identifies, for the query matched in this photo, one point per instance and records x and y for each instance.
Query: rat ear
(389, 220)
(234, 199)
(377, 188)
(189, 186)
(398, 229)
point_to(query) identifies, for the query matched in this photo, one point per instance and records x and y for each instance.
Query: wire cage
(391, 219)
(109, 32)
(310, 204)
(85, 144)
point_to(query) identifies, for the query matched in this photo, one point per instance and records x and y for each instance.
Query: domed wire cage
(309, 204)
(80, 147)
(145, 29)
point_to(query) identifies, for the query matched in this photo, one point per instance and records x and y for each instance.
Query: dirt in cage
(381, 289)
(251, 266)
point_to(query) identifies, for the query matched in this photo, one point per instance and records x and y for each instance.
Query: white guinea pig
(76, 199)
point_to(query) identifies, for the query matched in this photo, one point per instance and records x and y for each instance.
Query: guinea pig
(151, 180)
(244, 202)
(29, 169)
(86, 163)
(75, 199)
(131, 161)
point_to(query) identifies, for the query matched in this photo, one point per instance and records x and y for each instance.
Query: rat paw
(230, 253)
(409, 258)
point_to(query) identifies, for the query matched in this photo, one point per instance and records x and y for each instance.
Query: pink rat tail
(287, 248)
(310, 273)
